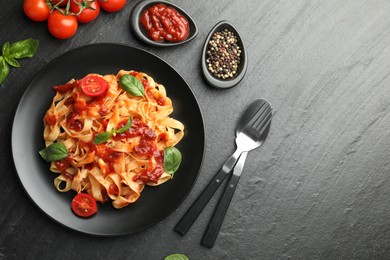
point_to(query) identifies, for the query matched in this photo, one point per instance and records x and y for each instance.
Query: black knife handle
(193, 212)
(215, 223)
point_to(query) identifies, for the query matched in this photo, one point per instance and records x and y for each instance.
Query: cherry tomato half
(84, 205)
(112, 5)
(62, 26)
(90, 10)
(36, 10)
(93, 86)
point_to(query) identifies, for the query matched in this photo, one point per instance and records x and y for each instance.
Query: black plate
(155, 203)
(141, 33)
(210, 78)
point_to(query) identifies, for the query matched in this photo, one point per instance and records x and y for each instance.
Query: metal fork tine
(266, 124)
(260, 118)
(258, 113)
(259, 122)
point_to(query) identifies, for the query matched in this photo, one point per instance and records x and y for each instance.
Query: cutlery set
(251, 131)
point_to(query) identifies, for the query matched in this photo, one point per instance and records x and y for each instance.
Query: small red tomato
(101, 150)
(62, 26)
(112, 5)
(93, 86)
(86, 11)
(36, 10)
(84, 205)
(63, 3)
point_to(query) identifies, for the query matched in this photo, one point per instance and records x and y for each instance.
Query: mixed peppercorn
(223, 54)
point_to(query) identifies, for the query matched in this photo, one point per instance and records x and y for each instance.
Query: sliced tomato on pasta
(93, 86)
(84, 205)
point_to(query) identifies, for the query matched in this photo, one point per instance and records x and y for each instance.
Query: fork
(251, 133)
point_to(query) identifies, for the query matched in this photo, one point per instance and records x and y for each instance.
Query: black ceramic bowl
(230, 82)
(141, 33)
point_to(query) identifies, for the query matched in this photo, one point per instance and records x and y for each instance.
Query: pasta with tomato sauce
(116, 135)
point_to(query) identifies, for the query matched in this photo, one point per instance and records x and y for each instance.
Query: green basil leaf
(125, 127)
(172, 160)
(24, 49)
(11, 61)
(102, 137)
(132, 85)
(8, 58)
(5, 49)
(176, 257)
(4, 69)
(54, 152)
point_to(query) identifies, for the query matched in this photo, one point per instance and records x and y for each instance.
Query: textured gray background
(317, 189)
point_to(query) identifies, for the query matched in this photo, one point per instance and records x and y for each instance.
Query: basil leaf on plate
(102, 137)
(125, 127)
(24, 49)
(172, 159)
(4, 69)
(132, 85)
(54, 152)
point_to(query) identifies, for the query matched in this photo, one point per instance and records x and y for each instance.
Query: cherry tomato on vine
(63, 3)
(62, 26)
(84, 205)
(86, 10)
(36, 10)
(93, 86)
(112, 5)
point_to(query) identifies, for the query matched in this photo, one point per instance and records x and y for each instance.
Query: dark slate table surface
(319, 188)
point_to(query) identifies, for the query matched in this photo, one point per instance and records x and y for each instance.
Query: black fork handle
(193, 212)
(215, 223)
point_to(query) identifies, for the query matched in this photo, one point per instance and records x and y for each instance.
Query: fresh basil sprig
(172, 159)
(132, 85)
(103, 137)
(125, 127)
(17, 50)
(54, 152)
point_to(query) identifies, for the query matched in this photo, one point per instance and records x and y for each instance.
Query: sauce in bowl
(164, 23)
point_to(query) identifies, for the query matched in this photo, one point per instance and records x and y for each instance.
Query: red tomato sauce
(164, 23)
(50, 119)
(66, 87)
(160, 100)
(109, 156)
(74, 123)
(63, 165)
(152, 175)
(113, 189)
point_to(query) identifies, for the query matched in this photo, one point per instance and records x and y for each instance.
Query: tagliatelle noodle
(118, 169)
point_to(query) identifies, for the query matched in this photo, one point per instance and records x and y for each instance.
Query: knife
(216, 220)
